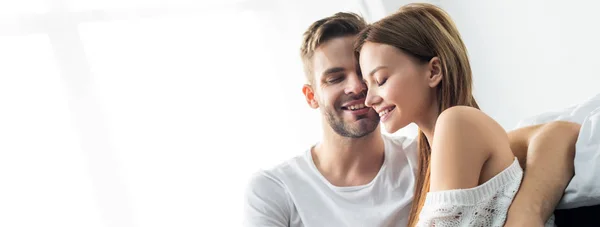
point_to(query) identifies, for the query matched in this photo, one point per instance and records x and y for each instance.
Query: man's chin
(365, 126)
(366, 120)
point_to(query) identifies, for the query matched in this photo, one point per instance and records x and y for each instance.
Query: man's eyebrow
(333, 70)
(376, 69)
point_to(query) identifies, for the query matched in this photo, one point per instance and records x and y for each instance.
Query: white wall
(377, 9)
(530, 56)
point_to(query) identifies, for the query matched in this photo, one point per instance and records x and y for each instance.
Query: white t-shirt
(295, 194)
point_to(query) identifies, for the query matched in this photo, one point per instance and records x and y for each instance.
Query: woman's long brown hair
(425, 31)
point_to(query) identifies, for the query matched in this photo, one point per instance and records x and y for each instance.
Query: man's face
(338, 90)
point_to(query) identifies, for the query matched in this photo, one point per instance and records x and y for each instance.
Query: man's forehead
(336, 52)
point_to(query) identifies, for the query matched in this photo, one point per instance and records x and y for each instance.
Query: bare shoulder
(468, 147)
(468, 115)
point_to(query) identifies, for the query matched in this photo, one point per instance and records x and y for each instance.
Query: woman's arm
(546, 152)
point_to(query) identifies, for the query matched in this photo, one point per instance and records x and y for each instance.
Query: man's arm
(265, 202)
(546, 152)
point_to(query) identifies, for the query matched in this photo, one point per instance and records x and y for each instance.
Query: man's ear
(309, 94)
(435, 72)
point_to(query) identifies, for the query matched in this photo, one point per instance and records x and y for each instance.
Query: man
(358, 177)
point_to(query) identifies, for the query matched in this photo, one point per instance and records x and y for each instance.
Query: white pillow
(576, 113)
(584, 188)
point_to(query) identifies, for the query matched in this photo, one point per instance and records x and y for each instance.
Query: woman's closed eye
(381, 82)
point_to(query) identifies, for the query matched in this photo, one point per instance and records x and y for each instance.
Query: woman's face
(399, 85)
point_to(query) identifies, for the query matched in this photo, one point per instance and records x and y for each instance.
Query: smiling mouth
(354, 107)
(386, 111)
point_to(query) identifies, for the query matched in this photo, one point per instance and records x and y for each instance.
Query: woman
(417, 70)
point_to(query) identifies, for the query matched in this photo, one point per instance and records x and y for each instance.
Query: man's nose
(356, 86)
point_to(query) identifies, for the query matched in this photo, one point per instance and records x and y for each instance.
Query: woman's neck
(427, 122)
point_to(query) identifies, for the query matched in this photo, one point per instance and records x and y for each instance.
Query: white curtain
(147, 113)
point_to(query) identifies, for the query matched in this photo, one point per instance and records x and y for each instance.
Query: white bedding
(584, 188)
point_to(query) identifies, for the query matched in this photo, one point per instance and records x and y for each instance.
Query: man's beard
(357, 130)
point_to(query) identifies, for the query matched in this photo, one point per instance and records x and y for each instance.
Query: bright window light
(45, 176)
(82, 5)
(12, 8)
(193, 109)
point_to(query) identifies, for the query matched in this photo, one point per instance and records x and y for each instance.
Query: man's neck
(348, 161)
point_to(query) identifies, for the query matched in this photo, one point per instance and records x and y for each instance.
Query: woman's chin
(390, 128)
(393, 127)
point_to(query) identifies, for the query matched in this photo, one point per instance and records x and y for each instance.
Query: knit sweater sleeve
(484, 205)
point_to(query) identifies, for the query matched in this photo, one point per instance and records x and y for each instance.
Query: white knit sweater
(485, 205)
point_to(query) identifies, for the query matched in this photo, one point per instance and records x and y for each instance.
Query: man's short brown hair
(339, 25)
